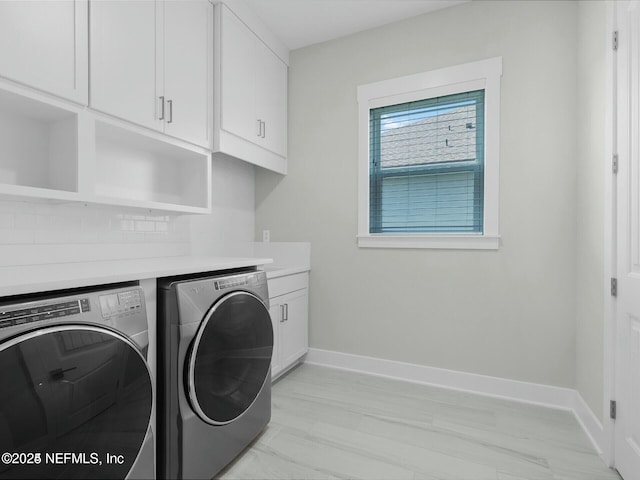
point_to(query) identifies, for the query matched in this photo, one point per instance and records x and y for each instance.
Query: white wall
(230, 226)
(33, 233)
(509, 313)
(590, 284)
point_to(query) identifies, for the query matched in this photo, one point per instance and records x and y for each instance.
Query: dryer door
(230, 358)
(75, 402)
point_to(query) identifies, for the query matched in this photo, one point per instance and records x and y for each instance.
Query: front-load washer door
(230, 357)
(75, 402)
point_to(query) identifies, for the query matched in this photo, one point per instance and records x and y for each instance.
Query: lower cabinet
(290, 319)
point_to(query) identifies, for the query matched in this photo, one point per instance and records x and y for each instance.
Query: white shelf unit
(145, 171)
(53, 150)
(38, 148)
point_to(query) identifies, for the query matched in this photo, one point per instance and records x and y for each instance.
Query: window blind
(427, 165)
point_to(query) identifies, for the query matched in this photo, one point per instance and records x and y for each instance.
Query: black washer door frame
(140, 368)
(264, 318)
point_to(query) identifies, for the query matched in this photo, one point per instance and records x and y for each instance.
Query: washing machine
(214, 376)
(76, 395)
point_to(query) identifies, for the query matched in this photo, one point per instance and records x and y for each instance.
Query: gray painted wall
(590, 285)
(508, 313)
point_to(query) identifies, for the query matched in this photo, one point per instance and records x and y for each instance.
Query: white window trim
(484, 74)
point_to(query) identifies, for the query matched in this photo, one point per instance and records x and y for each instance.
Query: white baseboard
(591, 425)
(532, 393)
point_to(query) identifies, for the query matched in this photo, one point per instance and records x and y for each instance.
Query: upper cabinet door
(250, 87)
(271, 99)
(188, 58)
(237, 72)
(46, 46)
(123, 60)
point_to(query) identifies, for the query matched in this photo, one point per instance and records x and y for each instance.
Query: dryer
(214, 377)
(77, 394)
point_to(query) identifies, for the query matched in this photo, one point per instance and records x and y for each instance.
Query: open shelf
(38, 148)
(144, 171)
(51, 150)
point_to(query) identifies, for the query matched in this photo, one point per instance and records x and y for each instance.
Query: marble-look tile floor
(328, 424)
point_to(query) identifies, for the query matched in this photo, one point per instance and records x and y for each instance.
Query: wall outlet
(266, 236)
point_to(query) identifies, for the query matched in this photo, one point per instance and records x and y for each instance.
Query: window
(426, 163)
(429, 159)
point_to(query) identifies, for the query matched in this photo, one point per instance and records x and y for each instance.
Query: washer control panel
(88, 306)
(120, 303)
(43, 312)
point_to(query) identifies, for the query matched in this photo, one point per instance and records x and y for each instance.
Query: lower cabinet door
(293, 334)
(290, 319)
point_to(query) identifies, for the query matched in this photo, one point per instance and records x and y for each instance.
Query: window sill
(456, 242)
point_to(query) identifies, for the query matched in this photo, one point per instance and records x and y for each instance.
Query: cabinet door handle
(170, 102)
(264, 129)
(286, 312)
(282, 317)
(259, 127)
(161, 108)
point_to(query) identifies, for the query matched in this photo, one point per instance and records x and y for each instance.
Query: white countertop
(17, 280)
(275, 271)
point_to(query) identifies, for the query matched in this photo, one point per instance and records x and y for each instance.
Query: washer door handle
(58, 373)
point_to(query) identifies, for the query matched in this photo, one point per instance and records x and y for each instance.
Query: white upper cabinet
(188, 59)
(46, 46)
(146, 55)
(250, 83)
(271, 99)
(151, 64)
(237, 81)
(123, 60)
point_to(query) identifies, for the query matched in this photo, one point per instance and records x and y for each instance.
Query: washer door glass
(230, 358)
(75, 402)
